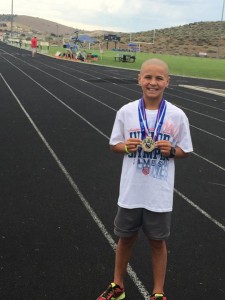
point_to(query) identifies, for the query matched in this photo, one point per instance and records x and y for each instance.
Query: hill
(190, 39)
(36, 25)
(206, 38)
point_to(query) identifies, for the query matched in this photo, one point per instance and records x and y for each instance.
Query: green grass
(178, 65)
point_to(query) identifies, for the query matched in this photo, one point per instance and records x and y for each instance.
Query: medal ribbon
(143, 119)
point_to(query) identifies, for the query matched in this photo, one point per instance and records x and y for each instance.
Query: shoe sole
(121, 297)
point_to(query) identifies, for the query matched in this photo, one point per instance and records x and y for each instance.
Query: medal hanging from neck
(148, 142)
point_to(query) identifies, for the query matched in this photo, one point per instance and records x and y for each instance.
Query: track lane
(101, 190)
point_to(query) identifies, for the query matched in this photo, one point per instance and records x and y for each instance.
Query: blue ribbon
(143, 119)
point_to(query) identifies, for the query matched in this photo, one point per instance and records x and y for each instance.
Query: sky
(118, 15)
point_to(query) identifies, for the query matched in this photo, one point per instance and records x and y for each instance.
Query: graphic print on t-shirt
(153, 163)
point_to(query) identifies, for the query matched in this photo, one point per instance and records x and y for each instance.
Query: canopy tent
(86, 39)
(134, 46)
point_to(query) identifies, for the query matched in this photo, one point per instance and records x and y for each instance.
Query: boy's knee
(157, 244)
(128, 241)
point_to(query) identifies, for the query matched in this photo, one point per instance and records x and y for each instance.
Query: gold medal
(148, 144)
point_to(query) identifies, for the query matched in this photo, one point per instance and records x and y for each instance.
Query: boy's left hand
(164, 147)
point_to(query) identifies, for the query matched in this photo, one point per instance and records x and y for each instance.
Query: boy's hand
(164, 147)
(132, 144)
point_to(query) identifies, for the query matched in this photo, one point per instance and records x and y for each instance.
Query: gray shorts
(155, 225)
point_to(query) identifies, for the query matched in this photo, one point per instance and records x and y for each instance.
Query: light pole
(11, 18)
(57, 33)
(220, 33)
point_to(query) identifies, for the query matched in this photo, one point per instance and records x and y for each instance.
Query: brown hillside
(189, 40)
(43, 26)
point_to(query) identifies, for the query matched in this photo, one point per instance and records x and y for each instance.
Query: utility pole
(57, 33)
(153, 39)
(11, 18)
(220, 32)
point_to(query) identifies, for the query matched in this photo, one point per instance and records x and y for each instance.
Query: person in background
(34, 46)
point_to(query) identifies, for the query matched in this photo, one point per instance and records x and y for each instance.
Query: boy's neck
(152, 104)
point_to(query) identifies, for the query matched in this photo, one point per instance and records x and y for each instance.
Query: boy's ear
(168, 81)
(139, 77)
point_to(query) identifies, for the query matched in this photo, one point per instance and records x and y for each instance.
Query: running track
(59, 184)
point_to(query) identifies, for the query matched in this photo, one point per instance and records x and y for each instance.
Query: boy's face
(153, 80)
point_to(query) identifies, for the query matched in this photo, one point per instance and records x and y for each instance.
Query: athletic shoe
(157, 297)
(113, 292)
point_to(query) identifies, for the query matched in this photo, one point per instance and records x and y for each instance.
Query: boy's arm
(180, 153)
(165, 148)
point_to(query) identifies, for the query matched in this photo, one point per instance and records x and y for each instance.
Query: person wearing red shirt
(34, 45)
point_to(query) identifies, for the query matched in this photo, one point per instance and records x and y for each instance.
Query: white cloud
(119, 15)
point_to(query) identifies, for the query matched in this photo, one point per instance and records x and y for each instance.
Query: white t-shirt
(147, 179)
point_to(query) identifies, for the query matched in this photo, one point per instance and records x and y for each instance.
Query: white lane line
(208, 133)
(203, 212)
(203, 89)
(143, 291)
(216, 183)
(198, 113)
(101, 88)
(194, 153)
(72, 87)
(202, 157)
(208, 161)
(63, 103)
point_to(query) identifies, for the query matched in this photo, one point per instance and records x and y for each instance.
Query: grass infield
(200, 67)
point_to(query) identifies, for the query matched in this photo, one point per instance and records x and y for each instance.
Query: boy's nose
(152, 81)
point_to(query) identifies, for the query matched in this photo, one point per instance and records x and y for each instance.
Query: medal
(148, 144)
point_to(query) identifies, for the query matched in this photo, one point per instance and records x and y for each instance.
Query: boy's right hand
(132, 144)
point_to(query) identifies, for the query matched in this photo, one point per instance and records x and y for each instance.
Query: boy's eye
(157, 77)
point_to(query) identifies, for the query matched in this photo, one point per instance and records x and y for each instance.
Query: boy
(150, 132)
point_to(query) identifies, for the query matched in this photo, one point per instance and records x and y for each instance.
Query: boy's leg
(123, 255)
(156, 226)
(159, 264)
